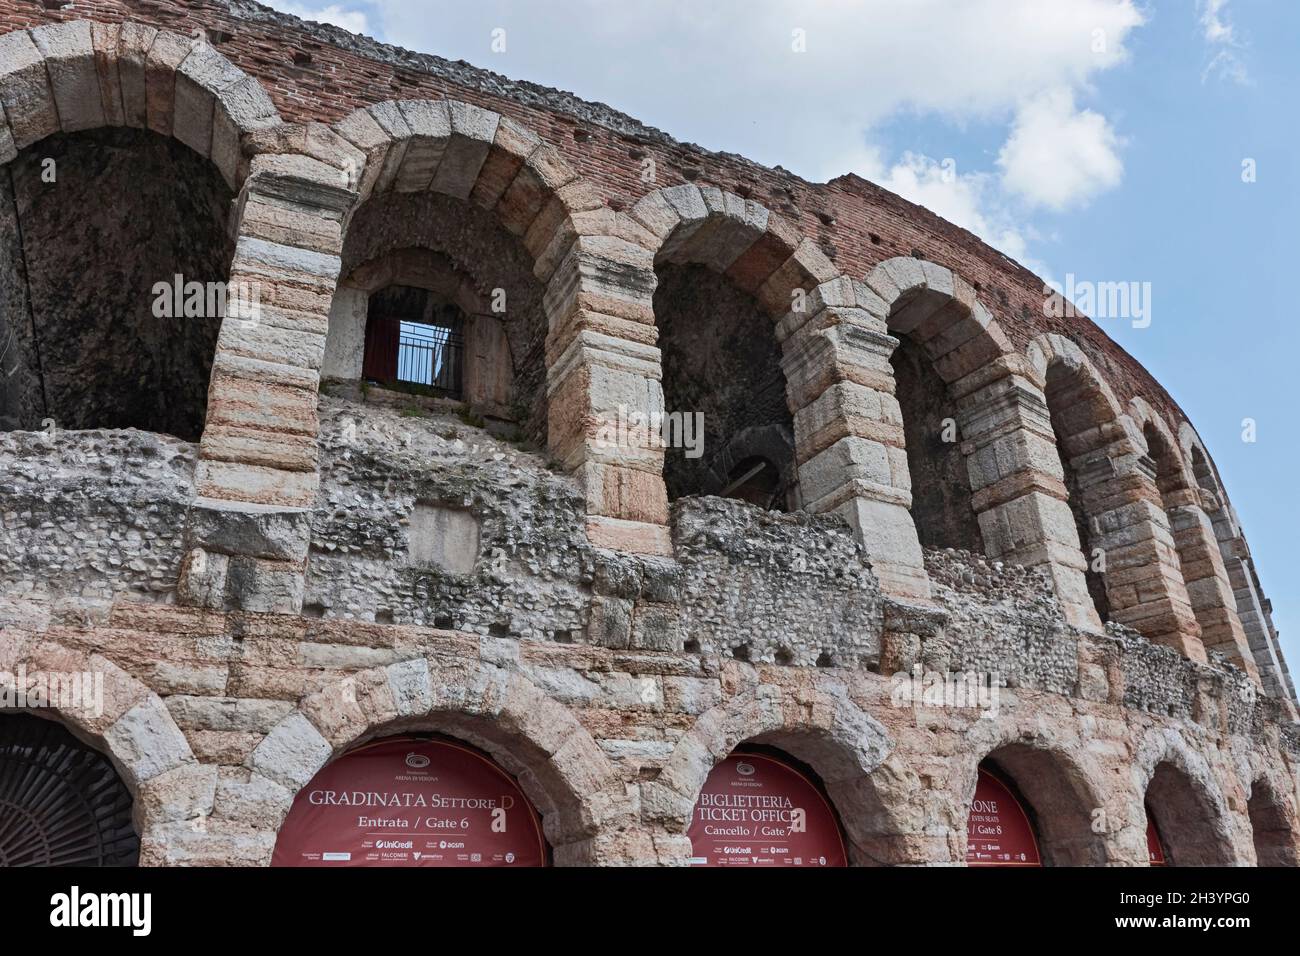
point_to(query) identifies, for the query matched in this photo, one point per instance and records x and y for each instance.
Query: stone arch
(944, 334)
(1118, 511)
(1244, 593)
(1272, 811)
(727, 270)
(89, 94)
(173, 794)
(1200, 563)
(1060, 782)
(849, 750)
(81, 75)
(1173, 779)
(594, 267)
(557, 763)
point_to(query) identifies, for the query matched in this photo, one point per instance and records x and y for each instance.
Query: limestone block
(25, 90)
(235, 528)
(202, 580)
(186, 792)
(251, 799)
(846, 460)
(473, 131)
(409, 682)
(260, 484)
(200, 77)
(104, 37)
(133, 45)
(430, 125)
(345, 344)
(146, 742)
(511, 147)
(69, 53)
(265, 586)
(443, 537)
(291, 754)
(165, 56)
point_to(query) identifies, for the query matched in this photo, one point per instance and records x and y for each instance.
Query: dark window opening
(110, 310)
(942, 509)
(1070, 407)
(757, 481)
(412, 339)
(722, 363)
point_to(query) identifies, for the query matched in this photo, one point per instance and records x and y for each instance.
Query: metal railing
(431, 355)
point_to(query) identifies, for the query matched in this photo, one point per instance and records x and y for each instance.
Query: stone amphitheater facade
(277, 561)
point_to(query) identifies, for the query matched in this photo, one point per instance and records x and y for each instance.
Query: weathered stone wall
(87, 517)
(335, 568)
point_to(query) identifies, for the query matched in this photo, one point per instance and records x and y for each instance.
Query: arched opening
(721, 369)
(1077, 412)
(61, 801)
(999, 831)
(439, 298)
(1054, 800)
(412, 800)
(760, 807)
(1271, 826)
(114, 257)
(941, 496)
(1191, 833)
(1173, 492)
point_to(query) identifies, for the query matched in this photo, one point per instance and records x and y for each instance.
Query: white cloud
(1221, 38)
(969, 200)
(724, 74)
(1058, 156)
(355, 21)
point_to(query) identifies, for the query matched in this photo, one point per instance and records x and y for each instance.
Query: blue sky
(1103, 138)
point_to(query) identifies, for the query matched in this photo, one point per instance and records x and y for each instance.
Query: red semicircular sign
(755, 810)
(998, 831)
(409, 802)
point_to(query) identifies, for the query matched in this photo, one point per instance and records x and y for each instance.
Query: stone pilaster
(603, 375)
(1017, 485)
(849, 445)
(258, 464)
(1206, 579)
(1144, 583)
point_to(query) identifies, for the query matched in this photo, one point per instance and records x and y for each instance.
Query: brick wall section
(607, 147)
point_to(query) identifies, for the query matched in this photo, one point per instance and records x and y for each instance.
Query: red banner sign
(757, 811)
(409, 802)
(998, 832)
(1155, 852)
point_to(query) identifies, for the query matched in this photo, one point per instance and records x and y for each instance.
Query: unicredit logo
(745, 769)
(417, 761)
